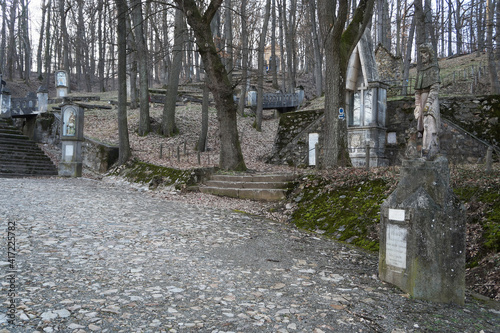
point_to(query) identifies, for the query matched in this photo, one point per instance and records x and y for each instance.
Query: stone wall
(469, 125)
(389, 66)
(98, 156)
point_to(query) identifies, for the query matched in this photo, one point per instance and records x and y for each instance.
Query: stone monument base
(71, 169)
(422, 234)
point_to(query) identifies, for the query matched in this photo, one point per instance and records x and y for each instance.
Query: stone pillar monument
(43, 99)
(71, 139)
(422, 227)
(5, 103)
(62, 83)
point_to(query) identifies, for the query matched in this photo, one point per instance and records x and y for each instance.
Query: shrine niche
(366, 106)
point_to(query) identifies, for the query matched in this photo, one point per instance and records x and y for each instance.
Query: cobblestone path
(92, 257)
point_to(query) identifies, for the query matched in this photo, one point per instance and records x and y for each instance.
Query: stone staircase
(21, 157)
(262, 187)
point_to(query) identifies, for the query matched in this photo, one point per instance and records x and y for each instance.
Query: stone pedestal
(422, 234)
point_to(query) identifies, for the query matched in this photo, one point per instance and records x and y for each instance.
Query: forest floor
(101, 125)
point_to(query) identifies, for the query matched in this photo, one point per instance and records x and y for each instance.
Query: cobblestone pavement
(92, 257)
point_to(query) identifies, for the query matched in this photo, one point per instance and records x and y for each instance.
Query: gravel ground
(95, 256)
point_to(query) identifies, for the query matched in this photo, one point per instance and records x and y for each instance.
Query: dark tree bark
(407, 59)
(48, 54)
(339, 44)
(260, 70)
(121, 31)
(318, 59)
(202, 140)
(169, 128)
(11, 53)
(101, 50)
(480, 30)
(142, 62)
(3, 42)
(231, 157)
(244, 57)
(273, 62)
(40, 43)
(25, 37)
(492, 69)
(132, 66)
(282, 49)
(228, 32)
(65, 40)
(79, 44)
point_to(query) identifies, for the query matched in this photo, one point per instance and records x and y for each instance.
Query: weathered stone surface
(422, 245)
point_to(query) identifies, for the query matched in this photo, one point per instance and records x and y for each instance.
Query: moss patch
(348, 212)
(154, 175)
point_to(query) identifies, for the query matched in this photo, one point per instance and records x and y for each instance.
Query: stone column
(422, 234)
(5, 103)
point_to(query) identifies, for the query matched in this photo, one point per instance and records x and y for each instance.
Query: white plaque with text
(395, 246)
(396, 214)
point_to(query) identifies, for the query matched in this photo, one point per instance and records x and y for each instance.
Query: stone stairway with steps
(262, 187)
(21, 157)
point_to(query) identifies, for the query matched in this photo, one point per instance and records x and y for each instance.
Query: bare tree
(244, 57)
(490, 11)
(169, 128)
(11, 53)
(231, 157)
(318, 59)
(260, 69)
(142, 61)
(121, 32)
(340, 41)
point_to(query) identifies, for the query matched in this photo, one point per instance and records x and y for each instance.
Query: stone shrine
(71, 139)
(61, 83)
(366, 106)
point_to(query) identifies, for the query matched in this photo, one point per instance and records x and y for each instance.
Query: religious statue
(71, 124)
(427, 101)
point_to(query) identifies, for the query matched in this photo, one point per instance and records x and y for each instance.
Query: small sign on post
(341, 114)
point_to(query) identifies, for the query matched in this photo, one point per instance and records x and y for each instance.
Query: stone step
(240, 184)
(262, 187)
(246, 193)
(255, 178)
(21, 157)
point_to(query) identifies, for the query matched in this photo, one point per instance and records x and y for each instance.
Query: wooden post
(199, 157)
(161, 151)
(489, 159)
(178, 153)
(367, 157)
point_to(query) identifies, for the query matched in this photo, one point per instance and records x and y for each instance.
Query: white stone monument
(365, 106)
(61, 83)
(71, 138)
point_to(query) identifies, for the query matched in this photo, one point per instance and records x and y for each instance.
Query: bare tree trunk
(495, 86)
(3, 43)
(244, 56)
(480, 31)
(407, 59)
(132, 65)
(228, 32)
(282, 49)
(142, 61)
(398, 28)
(169, 128)
(47, 45)
(318, 59)
(26, 41)
(458, 25)
(202, 140)
(40, 43)
(273, 63)
(121, 31)
(11, 53)
(79, 44)
(231, 157)
(65, 40)
(450, 20)
(498, 30)
(101, 50)
(260, 76)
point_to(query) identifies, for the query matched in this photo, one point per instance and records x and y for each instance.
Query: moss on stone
(349, 213)
(154, 175)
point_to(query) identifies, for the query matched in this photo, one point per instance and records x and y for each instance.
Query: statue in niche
(427, 101)
(71, 124)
